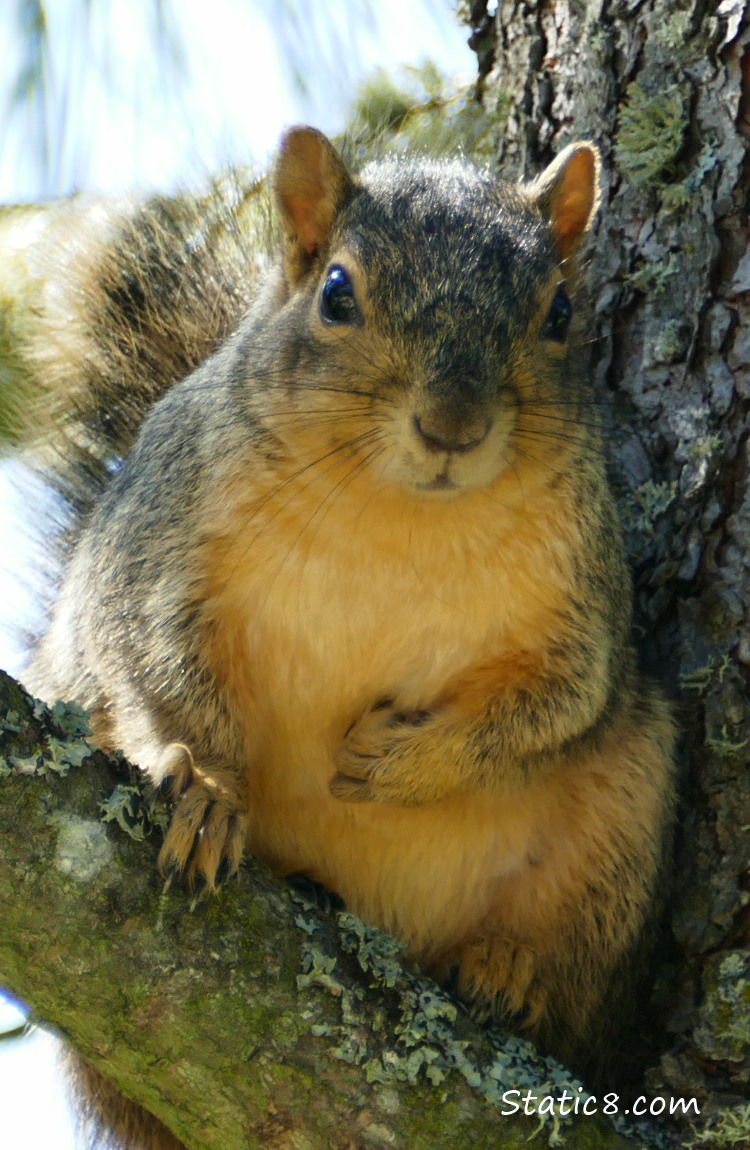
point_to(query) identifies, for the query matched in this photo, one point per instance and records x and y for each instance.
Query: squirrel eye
(559, 316)
(337, 303)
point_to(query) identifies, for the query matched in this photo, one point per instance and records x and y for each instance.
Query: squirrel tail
(134, 297)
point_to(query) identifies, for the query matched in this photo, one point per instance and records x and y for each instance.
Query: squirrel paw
(499, 977)
(206, 837)
(387, 756)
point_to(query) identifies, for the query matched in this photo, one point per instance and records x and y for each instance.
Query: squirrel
(347, 573)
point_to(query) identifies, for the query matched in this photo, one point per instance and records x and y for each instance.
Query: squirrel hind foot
(206, 837)
(497, 978)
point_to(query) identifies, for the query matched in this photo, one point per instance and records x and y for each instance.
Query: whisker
(335, 491)
(365, 438)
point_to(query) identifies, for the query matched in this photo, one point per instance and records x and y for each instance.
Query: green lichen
(703, 679)
(651, 135)
(725, 1131)
(670, 345)
(378, 954)
(63, 756)
(654, 278)
(675, 197)
(26, 764)
(678, 196)
(731, 1000)
(673, 31)
(12, 721)
(318, 968)
(59, 754)
(71, 719)
(704, 446)
(307, 924)
(12, 724)
(125, 807)
(725, 746)
(419, 1040)
(643, 507)
(723, 1032)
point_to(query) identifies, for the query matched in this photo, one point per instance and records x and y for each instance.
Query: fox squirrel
(350, 573)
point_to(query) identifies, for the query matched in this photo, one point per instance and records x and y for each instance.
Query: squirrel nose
(454, 435)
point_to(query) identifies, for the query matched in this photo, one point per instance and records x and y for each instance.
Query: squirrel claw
(368, 757)
(200, 887)
(206, 837)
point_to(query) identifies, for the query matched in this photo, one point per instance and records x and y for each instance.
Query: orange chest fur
(317, 614)
(322, 609)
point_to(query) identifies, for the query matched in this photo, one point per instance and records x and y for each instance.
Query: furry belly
(325, 630)
(427, 874)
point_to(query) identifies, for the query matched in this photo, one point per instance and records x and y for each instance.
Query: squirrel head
(439, 297)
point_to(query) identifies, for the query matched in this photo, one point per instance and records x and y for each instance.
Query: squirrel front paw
(206, 837)
(392, 755)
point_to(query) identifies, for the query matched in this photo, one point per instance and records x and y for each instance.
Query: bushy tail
(134, 297)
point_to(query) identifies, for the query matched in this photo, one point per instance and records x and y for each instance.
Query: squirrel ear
(311, 184)
(567, 194)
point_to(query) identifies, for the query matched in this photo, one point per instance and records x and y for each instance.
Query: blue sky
(113, 125)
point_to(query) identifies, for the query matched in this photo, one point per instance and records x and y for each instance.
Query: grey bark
(664, 89)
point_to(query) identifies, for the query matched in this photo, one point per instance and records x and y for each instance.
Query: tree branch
(249, 1017)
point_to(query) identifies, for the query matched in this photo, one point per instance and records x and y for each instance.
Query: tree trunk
(664, 89)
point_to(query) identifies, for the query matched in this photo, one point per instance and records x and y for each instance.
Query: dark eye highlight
(559, 316)
(337, 302)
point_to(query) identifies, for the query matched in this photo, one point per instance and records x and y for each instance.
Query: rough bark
(248, 1020)
(664, 89)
